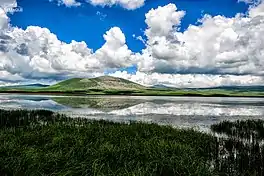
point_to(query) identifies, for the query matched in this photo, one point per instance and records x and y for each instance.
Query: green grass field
(43, 143)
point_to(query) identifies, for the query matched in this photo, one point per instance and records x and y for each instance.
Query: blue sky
(180, 43)
(84, 24)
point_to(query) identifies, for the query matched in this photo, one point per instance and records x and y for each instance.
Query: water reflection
(183, 111)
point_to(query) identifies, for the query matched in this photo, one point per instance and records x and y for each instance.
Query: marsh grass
(242, 152)
(44, 143)
(248, 129)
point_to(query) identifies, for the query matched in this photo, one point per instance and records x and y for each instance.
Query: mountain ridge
(107, 85)
(98, 83)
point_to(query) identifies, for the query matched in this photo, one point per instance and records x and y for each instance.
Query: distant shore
(107, 85)
(127, 93)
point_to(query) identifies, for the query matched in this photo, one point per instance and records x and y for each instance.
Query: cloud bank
(218, 51)
(189, 80)
(219, 45)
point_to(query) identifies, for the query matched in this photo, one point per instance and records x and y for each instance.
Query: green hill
(107, 85)
(99, 83)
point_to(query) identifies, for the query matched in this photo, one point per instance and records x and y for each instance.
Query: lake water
(198, 112)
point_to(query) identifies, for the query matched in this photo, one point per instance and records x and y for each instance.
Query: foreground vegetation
(44, 143)
(241, 147)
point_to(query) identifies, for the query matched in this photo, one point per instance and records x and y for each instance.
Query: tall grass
(45, 143)
(40, 142)
(242, 151)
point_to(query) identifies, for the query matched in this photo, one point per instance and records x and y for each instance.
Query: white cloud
(8, 4)
(115, 53)
(256, 11)
(5, 6)
(37, 53)
(213, 53)
(190, 80)
(68, 3)
(219, 45)
(3, 19)
(254, 2)
(127, 4)
(163, 21)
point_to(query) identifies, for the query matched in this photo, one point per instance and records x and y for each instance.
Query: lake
(198, 112)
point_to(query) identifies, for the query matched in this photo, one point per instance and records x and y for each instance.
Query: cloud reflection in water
(182, 111)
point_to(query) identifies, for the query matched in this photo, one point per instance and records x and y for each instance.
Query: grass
(44, 143)
(243, 148)
(248, 129)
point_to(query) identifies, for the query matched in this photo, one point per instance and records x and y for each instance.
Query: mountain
(99, 83)
(161, 86)
(107, 85)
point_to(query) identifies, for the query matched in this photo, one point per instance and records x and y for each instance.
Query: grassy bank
(44, 143)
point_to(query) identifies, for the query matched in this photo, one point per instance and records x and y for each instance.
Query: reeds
(241, 150)
(44, 143)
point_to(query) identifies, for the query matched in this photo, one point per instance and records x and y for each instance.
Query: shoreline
(128, 94)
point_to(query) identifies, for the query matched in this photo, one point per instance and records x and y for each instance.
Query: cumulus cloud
(218, 51)
(127, 4)
(115, 53)
(219, 45)
(37, 53)
(189, 80)
(163, 21)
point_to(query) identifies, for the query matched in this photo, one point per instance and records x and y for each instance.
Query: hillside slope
(99, 83)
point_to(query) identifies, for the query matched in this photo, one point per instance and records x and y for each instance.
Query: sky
(179, 43)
